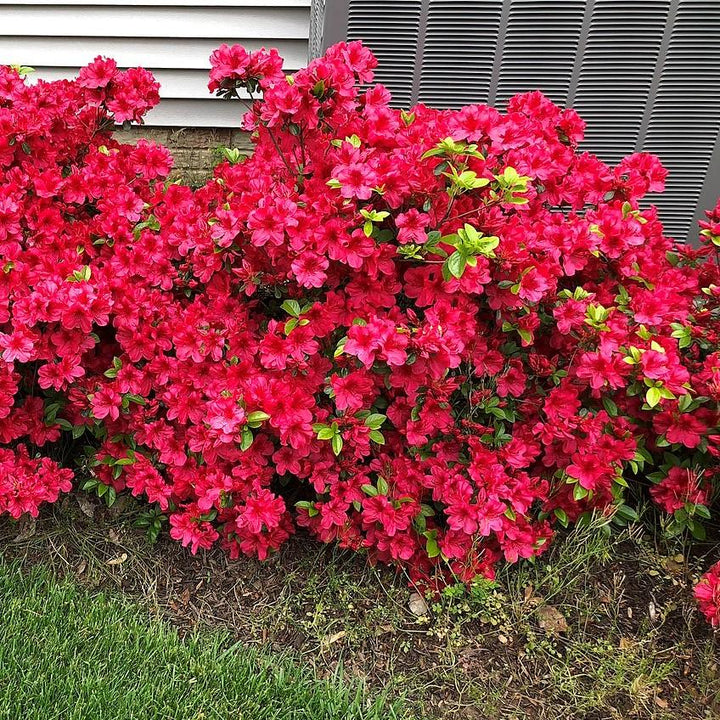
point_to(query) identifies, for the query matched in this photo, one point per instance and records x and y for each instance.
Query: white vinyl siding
(172, 38)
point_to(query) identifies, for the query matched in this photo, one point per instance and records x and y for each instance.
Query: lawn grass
(70, 654)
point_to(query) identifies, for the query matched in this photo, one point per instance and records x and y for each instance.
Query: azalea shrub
(436, 336)
(68, 192)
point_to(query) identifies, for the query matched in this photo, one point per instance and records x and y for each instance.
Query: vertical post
(499, 48)
(335, 22)
(419, 51)
(582, 45)
(709, 193)
(657, 74)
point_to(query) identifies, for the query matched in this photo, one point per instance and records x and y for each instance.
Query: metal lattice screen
(645, 74)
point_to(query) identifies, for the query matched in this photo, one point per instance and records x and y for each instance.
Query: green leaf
(431, 544)
(23, 70)
(326, 434)
(291, 307)
(525, 335)
(337, 443)
(377, 437)
(653, 396)
(467, 180)
(487, 245)
(684, 403)
(370, 490)
(456, 264)
(579, 492)
(627, 513)
(340, 347)
(257, 416)
(382, 485)
(375, 421)
(433, 238)
(432, 153)
(246, 438)
(697, 529)
(452, 239)
(610, 407)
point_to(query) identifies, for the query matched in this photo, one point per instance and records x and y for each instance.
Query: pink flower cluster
(68, 193)
(707, 594)
(234, 67)
(432, 335)
(27, 482)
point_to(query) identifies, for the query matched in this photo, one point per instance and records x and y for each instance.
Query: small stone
(417, 604)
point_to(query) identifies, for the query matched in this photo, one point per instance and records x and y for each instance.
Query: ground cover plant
(436, 336)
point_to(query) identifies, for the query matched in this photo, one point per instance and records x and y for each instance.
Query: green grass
(70, 654)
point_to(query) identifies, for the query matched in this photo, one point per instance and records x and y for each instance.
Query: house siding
(172, 38)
